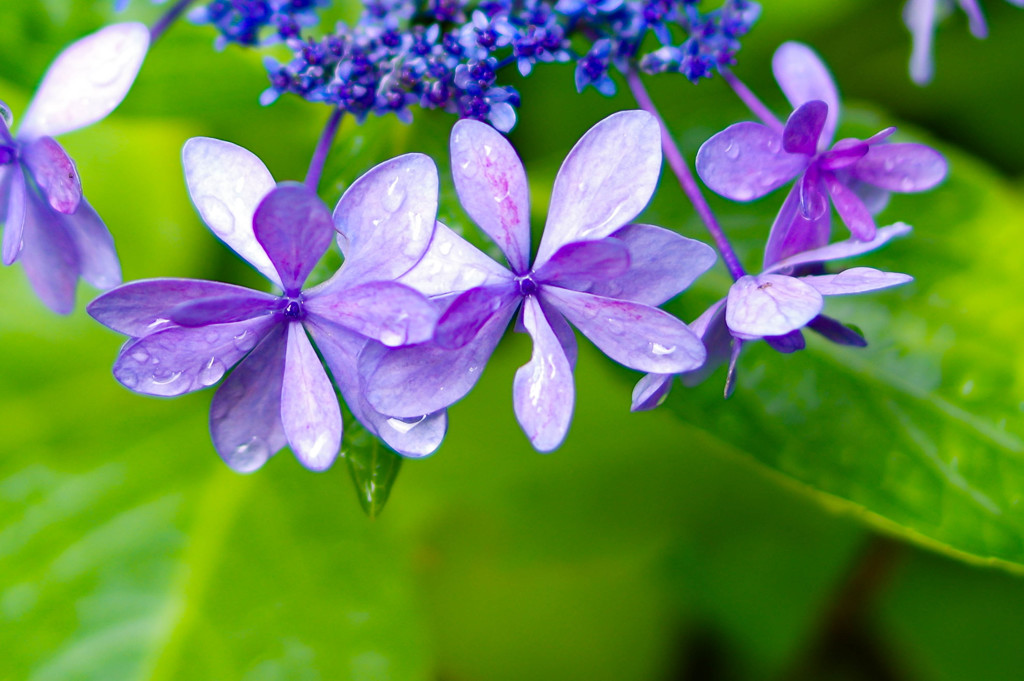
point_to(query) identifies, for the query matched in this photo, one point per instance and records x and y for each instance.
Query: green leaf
(374, 468)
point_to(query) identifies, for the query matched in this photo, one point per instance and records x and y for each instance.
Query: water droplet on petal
(391, 338)
(445, 248)
(140, 356)
(889, 165)
(245, 341)
(394, 197)
(732, 152)
(211, 372)
(662, 350)
(403, 426)
(250, 456)
(217, 215)
(907, 183)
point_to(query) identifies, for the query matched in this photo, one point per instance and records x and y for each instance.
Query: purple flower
(748, 160)
(775, 305)
(921, 16)
(185, 334)
(47, 221)
(591, 269)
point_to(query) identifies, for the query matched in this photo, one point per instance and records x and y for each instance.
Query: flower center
(527, 286)
(7, 154)
(293, 309)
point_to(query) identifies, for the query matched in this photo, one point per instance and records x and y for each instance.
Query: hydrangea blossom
(48, 224)
(748, 160)
(591, 269)
(921, 16)
(775, 304)
(185, 334)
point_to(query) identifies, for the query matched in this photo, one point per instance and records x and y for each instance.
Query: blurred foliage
(651, 546)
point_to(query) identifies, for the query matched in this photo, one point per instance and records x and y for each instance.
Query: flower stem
(316, 165)
(686, 180)
(167, 19)
(755, 105)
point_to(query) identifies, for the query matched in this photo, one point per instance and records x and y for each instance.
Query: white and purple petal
(792, 233)
(245, 415)
(746, 161)
(385, 220)
(49, 256)
(422, 379)
(543, 393)
(224, 309)
(902, 167)
(227, 183)
(843, 249)
(309, 406)
(142, 307)
(650, 391)
(853, 212)
(604, 182)
(54, 172)
(770, 305)
(86, 81)
(177, 360)
(15, 213)
(294, 228)
(452, 265)
(341, 348)
(386, 311)
(856, 280)
(661, 265)
(581, 264)
(97, 256)
(803, 77)
(635, 335)
(470, 311)
(491, 185)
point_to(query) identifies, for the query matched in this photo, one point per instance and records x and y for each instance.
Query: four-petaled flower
(591, 268)
(185, 333)
(748, 160)
(775, 305)
(47, 221)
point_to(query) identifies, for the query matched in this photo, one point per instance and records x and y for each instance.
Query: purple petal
(566, 336)
(803, 128)
(638, 336)
(787, 343)
(770, 305)
(855, 280)
(746, 161)
(843, 154)
(55, 173)
(223, 309)
(843, 249)
(294, 227)
(718, 342)
(227, 183)
(792, 233)
(604, 182)
(836, 331)
(803, 77)
(661, 264)
(414, 437)
(582, 263)
(470, 311)
(651, 391)
(389, 312)
(245, 416)
(901, 167)
(975, 19)
(452, 265)
(49, 256)
(543, 393)
(86, 81)
(142, 307)
(422, 379)
(16, 213)
(386, 218)
(854, 214)
(177, 360)
(309, 406)
(95, 246)
(813, 199)
(491, 184)
(919, 16)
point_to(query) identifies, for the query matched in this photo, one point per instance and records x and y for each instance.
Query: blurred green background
(848, 514)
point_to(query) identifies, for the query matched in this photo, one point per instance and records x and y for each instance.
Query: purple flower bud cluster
(447, 54)
(258, 22)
